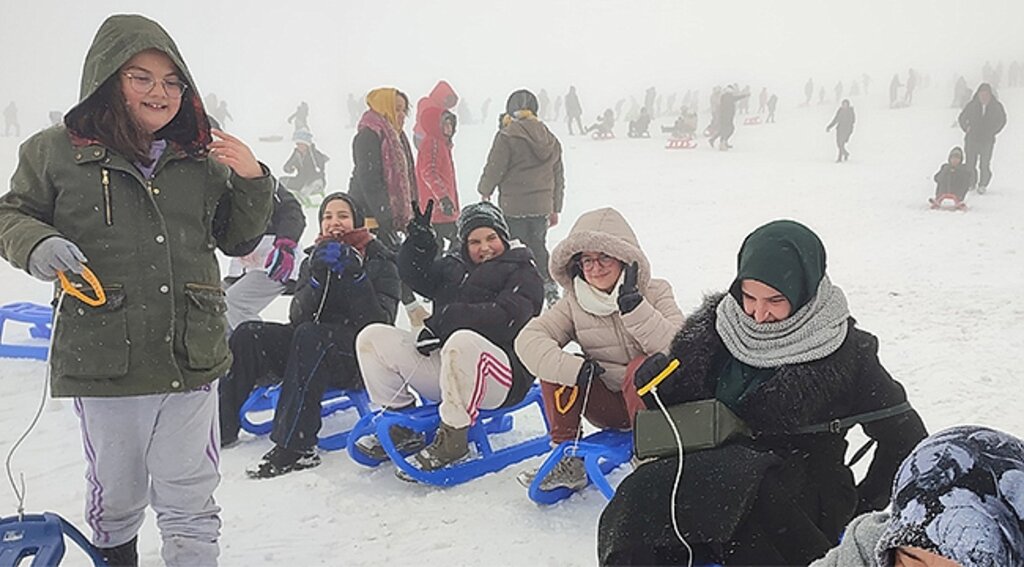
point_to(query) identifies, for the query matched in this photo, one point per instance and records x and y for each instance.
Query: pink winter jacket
(611, 340)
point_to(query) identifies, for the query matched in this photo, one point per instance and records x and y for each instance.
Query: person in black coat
(483, 294)
(843, 123)
(981, 120)
(782, 352)
(953, 178)
(255, 279)
(349, 281)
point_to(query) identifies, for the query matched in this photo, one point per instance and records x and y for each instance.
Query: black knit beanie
(521, 100)
(481, 214)
(358, 219)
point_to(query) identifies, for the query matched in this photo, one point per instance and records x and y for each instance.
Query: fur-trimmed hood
(603, 230)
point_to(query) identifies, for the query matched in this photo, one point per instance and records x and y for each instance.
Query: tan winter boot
(450, 446)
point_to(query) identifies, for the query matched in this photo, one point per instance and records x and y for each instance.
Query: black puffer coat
(495, 299)
(719, 486)
(350, 305)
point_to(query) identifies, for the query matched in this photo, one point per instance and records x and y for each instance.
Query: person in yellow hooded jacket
(384, 176)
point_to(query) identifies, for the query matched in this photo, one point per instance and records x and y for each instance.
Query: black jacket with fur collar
(722, 483)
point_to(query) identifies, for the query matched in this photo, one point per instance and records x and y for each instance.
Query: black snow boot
(124, 555)
(279, 461)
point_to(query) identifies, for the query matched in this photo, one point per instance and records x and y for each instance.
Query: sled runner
(939, 202)
(38, 540)
(752, 121)
(426, 419)
(265, 398)
(681, 144)
(39, 316)
(602, 452)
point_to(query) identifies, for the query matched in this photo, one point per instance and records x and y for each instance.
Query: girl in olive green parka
(133, 186)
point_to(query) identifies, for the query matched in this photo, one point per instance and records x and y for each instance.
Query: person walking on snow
(134, 187)
(300, 118)
(525, 167)
(843, 123)
(573, 110)
(483, 293)
(981, 120)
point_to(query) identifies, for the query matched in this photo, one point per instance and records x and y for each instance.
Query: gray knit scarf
(815, 331)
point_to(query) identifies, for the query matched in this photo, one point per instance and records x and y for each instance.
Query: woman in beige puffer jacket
(616, 312)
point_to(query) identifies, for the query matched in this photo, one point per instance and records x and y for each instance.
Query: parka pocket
(205, 326)
(92, 342)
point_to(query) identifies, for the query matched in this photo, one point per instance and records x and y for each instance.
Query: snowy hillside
(941, 290)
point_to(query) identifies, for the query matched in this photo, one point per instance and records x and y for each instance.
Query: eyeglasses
(143, 84)
(588, 262)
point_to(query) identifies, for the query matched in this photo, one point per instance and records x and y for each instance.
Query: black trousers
(306, 360)
(980, 150)
(533, 232)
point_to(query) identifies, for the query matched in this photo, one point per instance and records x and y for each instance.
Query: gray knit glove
(55, 254)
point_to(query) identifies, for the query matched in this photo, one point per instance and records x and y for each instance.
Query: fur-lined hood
(604, 230)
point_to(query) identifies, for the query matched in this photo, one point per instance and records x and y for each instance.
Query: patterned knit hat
(960, 495)
(476, 215)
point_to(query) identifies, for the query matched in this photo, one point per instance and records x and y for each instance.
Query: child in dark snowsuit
(954, 178)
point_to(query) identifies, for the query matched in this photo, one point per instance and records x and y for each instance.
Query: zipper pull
(107, 208)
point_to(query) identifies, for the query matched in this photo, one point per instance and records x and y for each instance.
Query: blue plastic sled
(41, 318)
(265, 398)
(41, 537)
(602, 452)
(426, 419)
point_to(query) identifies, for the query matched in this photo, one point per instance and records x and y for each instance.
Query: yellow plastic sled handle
(659, 378)
(92, 280)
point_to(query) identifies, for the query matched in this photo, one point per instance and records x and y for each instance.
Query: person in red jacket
(442, 96)
(435, 173)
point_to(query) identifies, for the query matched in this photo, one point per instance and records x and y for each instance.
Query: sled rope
(67, 288)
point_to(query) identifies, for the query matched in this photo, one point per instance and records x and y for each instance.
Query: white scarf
(595, 301)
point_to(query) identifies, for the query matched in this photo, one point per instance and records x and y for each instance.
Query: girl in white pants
(467, 374)
(464, 356)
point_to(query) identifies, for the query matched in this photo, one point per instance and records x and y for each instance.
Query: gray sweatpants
(159, 450)
(249, 296)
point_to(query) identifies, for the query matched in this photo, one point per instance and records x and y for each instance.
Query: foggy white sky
(265, 57)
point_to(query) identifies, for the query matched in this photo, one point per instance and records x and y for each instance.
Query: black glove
(419, 230)
(447, 206)
(590, 370)
(650, 369)
(629, 295)
(427, 342)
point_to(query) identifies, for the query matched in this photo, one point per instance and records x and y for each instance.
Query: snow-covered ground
(940, 289)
